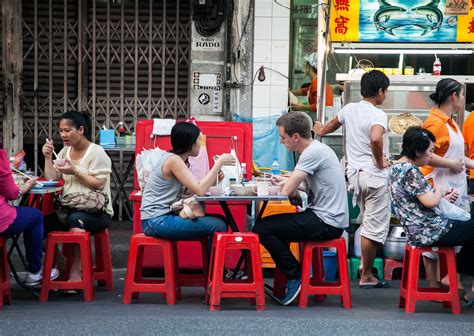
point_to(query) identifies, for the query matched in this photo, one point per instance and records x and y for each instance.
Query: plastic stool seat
(410, 292)
(5, 294)
(251, 288)
(170, 286)
(67, 238)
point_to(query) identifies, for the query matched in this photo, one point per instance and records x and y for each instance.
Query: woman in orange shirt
(447, 168)
(311, 66)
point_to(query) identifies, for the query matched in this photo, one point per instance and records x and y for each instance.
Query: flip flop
(70, 292)
(380, 284)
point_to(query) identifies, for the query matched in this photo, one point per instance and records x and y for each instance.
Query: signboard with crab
(399, 21)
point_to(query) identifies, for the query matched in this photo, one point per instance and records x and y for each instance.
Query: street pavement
(374, 312)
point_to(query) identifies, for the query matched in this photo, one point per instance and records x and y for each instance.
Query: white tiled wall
(271, 49)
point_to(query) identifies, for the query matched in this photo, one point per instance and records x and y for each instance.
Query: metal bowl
(394, 247)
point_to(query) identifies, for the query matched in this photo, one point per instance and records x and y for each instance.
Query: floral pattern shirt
(421, 224)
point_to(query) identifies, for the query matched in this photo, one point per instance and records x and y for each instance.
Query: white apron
(444, 176)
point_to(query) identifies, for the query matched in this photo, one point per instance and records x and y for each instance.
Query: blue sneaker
(293, 288)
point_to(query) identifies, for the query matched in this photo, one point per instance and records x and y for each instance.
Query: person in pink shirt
(26, 220)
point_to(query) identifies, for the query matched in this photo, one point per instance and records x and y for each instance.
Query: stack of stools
(410, 293)
(5, 296)
(253, 287)
(170, 286)
(102, 272)
(313, 255)
(390, 265)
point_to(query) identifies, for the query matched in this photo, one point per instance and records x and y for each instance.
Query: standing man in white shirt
(366, 144)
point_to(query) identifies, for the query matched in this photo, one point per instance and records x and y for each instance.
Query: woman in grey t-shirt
(168, 178)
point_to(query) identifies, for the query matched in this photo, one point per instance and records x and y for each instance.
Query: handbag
(188, 208)
(95, 201)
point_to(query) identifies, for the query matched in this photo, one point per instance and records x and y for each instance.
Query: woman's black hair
(183, 137)
(416, 141)
(444, 89)
(77, 120)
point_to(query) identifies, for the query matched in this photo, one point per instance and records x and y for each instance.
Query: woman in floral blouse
(414, 201)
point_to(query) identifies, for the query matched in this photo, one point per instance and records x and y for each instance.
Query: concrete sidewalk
(374, 312)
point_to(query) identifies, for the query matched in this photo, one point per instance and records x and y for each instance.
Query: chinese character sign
(344, 20)
(400, 21)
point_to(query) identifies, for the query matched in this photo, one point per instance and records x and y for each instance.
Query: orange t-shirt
(468, 134)
(436, 123)
(313, 94)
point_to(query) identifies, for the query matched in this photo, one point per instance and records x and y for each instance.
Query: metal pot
(394, 247)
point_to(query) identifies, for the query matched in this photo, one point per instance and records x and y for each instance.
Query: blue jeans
(30, 222)
(173, 227)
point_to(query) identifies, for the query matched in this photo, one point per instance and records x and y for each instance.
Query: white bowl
(59, 162)
(216, 190)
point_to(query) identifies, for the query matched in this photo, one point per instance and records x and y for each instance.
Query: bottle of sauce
(437, 67)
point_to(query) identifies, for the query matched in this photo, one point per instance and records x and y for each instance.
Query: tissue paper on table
(162, 126)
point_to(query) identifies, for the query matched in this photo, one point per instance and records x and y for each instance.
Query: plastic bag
(451, 211)
(145, 162)
(199, 165)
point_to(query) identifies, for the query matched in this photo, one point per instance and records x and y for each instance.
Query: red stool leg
(86, 263)
(412, 285)
(404, 280)
(5, 294)
(318, 271)
(305, 275)
(450, 262)
(344, 275)
(103, 268)
(170, 272)
(258, 276)
(130, 275)
(48, 265)
(217, 275)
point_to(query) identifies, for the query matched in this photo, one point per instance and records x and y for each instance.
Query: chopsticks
(27, 176)
(55, 155)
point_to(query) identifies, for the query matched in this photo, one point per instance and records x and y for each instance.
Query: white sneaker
(34, 279)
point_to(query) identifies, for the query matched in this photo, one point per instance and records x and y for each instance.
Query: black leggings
(90, 222)
(276, 231)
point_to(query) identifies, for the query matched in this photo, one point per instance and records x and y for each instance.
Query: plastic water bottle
(22, 167)
(275, 166)
(357, 243)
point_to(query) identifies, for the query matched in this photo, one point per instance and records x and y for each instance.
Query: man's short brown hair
(295, 122)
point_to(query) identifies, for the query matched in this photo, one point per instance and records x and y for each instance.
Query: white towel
(162, 126)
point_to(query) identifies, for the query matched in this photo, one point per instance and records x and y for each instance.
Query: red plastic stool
(252, 287)
(317, 285)
(390, 265)
(409, 290)
(170, 286)
(103, 260)
(5, 295)
(68, 238)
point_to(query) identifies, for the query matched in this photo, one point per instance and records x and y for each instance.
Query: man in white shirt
(366, 145)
